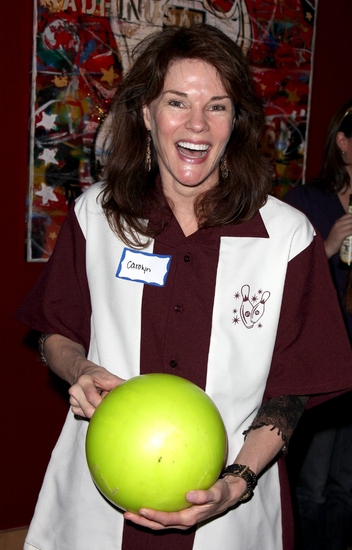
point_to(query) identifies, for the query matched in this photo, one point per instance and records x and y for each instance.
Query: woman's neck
(182, 207)
(186, 218)
(344, 196)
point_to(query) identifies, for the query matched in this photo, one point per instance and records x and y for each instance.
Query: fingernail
(191, 496)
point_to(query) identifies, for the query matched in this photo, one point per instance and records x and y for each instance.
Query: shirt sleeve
(299, 198)
(304, 360)
(59, 303)
(322, 209)
(282, 413)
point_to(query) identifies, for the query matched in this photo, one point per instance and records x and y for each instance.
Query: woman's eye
(217, 108)
(175, 103)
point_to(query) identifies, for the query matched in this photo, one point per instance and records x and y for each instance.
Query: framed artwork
(82, 48)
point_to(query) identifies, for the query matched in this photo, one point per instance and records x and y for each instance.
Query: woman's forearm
(65, 357)
(261, 446)
(89, 382)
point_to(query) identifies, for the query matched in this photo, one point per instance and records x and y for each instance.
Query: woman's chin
(197, 181)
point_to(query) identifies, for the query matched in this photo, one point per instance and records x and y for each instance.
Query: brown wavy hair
(129, 190)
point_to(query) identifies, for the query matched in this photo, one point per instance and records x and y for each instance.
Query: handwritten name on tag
(143, 267)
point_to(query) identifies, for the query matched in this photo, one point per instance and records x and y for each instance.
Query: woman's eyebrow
(176, 92)
(183, 94)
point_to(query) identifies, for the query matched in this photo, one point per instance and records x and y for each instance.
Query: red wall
(32, 411)
(32, 408)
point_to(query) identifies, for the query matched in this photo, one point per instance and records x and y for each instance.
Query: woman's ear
(146, 116)
(341, 141)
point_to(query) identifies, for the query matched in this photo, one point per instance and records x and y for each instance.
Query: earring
(148, 155)
(223, 167)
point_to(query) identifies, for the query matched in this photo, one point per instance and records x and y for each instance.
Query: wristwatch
(239, 470)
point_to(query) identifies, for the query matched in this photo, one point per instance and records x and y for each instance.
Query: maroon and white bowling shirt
(248, 312)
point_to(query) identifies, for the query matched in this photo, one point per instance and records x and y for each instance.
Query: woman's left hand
(259, 449)
(224, 494)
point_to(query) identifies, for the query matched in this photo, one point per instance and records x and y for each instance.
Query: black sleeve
(282, 413)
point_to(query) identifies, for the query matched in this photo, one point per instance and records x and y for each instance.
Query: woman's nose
(197, 120)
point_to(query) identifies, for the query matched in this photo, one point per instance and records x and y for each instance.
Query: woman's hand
(90, 389)
(224, 494)
(89, 382)
(259, 449)
(341, 229)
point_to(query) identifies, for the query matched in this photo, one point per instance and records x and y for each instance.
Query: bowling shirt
(248, 312)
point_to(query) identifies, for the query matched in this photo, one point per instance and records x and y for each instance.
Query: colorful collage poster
(82, 49)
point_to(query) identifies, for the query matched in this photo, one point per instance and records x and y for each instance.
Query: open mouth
(194, 150)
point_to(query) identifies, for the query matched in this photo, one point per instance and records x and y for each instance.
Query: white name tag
(143, 267)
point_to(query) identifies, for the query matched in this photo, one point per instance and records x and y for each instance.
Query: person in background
(324, 482)
(234, 310)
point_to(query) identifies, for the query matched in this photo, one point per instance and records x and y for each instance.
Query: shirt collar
(173, 235)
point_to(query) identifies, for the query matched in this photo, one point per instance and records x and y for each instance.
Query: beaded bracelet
(41, 343)
(239, 470)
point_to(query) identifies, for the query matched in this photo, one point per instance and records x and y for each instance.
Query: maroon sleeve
(312, 353)
(59, 303)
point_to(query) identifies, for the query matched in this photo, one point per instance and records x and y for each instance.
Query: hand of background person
(224, 494)
(90, 389)
(341, 229)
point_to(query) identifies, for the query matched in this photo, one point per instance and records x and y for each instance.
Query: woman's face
(190, 123)
(345, 145)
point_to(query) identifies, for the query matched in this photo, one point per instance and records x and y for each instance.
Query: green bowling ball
(152, 439)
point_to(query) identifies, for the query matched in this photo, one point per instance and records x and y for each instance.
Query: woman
(185, 179)
(324, 488)
(325, 200)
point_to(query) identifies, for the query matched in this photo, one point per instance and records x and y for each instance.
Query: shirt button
(187, 258)
(173, 364)
(178, 308)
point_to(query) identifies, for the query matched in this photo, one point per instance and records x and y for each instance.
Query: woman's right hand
(89, 382)
(90, 389)
(341, 229)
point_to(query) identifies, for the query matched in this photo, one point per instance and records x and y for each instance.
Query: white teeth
(193, 146)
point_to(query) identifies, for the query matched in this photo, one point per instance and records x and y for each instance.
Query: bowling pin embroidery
(246, 307)
(259, 308)
(250, 310)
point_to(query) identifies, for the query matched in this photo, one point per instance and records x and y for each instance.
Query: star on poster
(47, 194)
(48, 156)
(47, 121)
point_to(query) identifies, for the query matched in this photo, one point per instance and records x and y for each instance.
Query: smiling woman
(199, 105)
(180, 262)
(191, 123)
